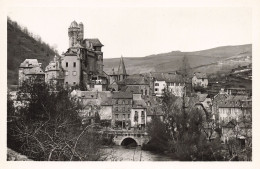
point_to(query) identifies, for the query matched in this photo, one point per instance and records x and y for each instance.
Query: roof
(35, 71)
(139, 104)
(238, 101)
(84, 94)
(30, 63)
(136, 80)
(95, 42)
(73, 24)
(107, 102)
(132, 89)
(168, 77)
(122, 95)
(200, 75)
(121, 67)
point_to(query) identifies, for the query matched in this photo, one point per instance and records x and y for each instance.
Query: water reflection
(120, 153)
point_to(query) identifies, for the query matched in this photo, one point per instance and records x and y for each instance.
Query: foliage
(48, 128)
(159, 136)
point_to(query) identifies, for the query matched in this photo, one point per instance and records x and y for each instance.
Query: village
(129, 102)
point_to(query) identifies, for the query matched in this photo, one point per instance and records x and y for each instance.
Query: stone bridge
(122, 137)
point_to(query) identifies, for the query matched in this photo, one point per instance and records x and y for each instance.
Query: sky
(140, 31)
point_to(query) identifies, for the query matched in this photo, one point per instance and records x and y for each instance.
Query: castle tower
(121, 70)
(73, 33)
(81, 32)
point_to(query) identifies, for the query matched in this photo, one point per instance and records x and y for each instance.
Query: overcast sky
(140, 31)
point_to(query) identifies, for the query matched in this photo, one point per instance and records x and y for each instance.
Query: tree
(185, 124)
(49, 128)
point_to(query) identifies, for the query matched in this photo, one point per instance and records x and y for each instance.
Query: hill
(212, 60)
(21, 45)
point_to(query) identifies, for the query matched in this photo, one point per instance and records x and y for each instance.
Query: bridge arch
(129, 140)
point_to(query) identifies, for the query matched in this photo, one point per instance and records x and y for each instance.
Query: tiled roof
(200, 75)
(122, 95)
(95, 42)
(133, 89)
(85, 94)
(168, 77)
(136, 80)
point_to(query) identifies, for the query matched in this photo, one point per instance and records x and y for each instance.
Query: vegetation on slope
(21, 45)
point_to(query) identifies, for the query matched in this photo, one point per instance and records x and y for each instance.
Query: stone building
(172, 82)
(30, 70)
(122, 105)
(199, 80)
(54, 75)
(83, 61)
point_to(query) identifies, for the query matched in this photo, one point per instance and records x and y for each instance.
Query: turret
(73, 33)
(81, 32)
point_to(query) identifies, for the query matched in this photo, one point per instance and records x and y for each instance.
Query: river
(120, 153)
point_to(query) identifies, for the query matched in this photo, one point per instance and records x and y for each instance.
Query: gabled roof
(200, 75)
(122, 95)
(121, 67)
(202, 97)
(94, 41)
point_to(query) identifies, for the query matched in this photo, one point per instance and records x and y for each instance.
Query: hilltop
(218, 59)
(21, 45)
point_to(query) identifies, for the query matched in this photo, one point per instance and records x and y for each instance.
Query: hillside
(212, 60)
(20, 46)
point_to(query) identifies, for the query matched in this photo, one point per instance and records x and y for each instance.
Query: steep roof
(122, 95)
(200, 75)
(202, 97)
(121, 68)
(94, 41)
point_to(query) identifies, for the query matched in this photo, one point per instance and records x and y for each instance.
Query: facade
(199, 80)
(122, 105)
(171, 82)
(30, 70)
(83, 61)
(54, 75)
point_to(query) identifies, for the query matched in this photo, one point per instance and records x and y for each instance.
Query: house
(122, 105)
(53, 73)
(172, 82)
(138, 112)
(199, 80)
(30, 70)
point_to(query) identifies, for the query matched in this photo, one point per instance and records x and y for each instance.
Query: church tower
(121, 70)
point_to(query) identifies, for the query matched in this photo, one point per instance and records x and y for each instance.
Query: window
(116, 116)
(145, 92)
(116, 108)
(74, 64)
(66, 73)
(74, 73)
(136, 116)
(129, 116)
(66, 83)
(156, 84)
(142, 91)
(123, 102)
(123, 108)
(67, 64)
(156, 89)
(74, 83)
(123, 116)
(142, 113)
